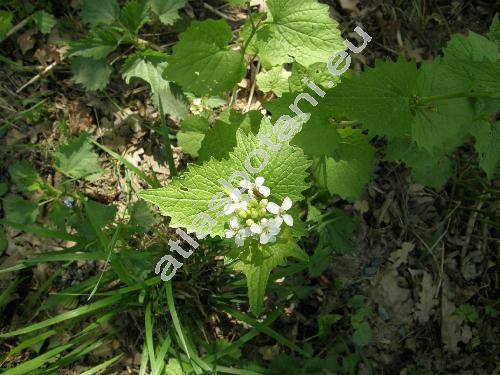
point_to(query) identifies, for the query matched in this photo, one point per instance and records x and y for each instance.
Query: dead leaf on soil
(392, 292)
(26, 41)
(454, 329)
(426, 291)
(400, 256)
(351, 5)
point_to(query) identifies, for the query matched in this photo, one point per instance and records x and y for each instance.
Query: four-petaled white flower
(267, 229)
(256, 217)
(239, 201)
(234, 226)
(258, 185)
(281, 211)
(239, 238)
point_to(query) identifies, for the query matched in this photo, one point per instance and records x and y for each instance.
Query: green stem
(465, 94)
(166, 141)
(254, 30)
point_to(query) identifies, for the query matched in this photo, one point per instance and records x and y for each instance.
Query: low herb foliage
(259, 211)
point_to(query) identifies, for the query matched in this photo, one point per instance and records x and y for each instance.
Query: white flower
(239, 202)
(233, 223)
(270, 228)
(240, 236)
(258, 185)
(280, 211)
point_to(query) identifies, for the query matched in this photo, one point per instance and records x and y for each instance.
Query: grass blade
(83, 310)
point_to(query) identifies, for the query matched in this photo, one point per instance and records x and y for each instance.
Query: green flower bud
(243, 214)
(249, 222)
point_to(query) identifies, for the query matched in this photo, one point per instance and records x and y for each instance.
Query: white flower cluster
(254, 216)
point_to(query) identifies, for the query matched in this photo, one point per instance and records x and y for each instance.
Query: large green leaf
(258, 266)
(44, 21)
(135, 14)
(428, 169)
(487, 145)
(77, 159)
(193, 130)
(5, 23)
(348, 173)
(189, 195)
(149, 66)
(19, 210)
(379, 98)
(25, 176)
(275, 80)
(167, 10)
(95, 12)
(441, 124)
(91, 74)
(98, 44)
(202, 62)
(297, 30)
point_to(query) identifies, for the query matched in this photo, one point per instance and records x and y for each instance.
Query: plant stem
(166, 141)
(254, 30)
(465, 94)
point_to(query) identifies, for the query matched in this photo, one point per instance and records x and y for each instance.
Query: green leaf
(378, 98)
(441, 124)
(325, 322)
(95, 12)
(485, 78)
(428, 169)
(44, 21)
(474, 60)
(347, 174)
(92, 74)
(487, 140)
(218, 141)
(363, 335)
(77, 159)
(19, 210)
(150, 66)
(221, 138)
(189, 195)
(473, 47)
(5, 23)
(201, 61)
(134, 15)
(96, 45)
(101, 214)
(25, 177)
(300, 30)
(259, 265)
(468, 312)
(275, 80)
(167, 10)
(318, 126)
(141, 216)
(3, 189)
(318, 136)
(334, 234)
(494, 33)
(317, 73)
(190, 137)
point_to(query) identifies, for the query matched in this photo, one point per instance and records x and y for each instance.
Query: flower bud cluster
(253, 215)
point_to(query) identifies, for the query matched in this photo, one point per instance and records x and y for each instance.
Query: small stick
(218, 12)
(252, 89)
(38, 76)
(17, 27)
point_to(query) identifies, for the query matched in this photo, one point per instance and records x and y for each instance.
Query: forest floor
(421, 265)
